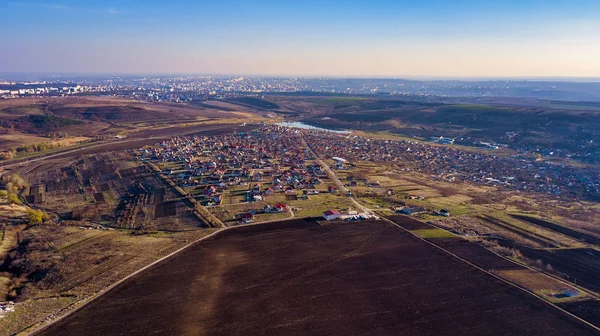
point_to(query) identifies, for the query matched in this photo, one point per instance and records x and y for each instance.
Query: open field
(59, 265)
(348, 278)
(581, 266)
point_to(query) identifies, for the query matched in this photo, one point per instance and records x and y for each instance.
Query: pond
(299, 124)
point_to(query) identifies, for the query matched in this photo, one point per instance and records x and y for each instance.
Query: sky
(367, 38)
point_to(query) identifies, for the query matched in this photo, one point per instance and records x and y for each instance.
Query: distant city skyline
(377, 38)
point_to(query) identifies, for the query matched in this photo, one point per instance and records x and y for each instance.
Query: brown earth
(580, 265)
(298, 278)
(409, 223)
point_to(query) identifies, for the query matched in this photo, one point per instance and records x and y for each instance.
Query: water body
(299, 124)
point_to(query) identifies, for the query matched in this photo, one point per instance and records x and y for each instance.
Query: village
(451, 164)
(264, 175)
(273, 173)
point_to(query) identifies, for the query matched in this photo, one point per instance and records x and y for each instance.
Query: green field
(434, 233)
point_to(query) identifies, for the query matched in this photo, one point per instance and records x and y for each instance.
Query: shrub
(14, 199)
(35, 216)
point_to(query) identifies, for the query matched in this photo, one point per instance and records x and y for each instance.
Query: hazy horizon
(17, 76)
(464, 39)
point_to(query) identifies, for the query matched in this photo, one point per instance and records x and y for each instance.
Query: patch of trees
(256, 102)
(13, 184)
(47, 121)
(29, 149)
(34, 148)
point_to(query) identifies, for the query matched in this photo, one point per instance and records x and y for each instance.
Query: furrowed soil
(581, 266)
(299, 277)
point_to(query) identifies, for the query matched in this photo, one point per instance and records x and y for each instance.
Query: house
(331, 190)
(443, 213)
(267, 209)
(413, 210)
(247, 218)
(209, 191)
(269, 191)
(279, 207)
(571, 293)
(331, 215)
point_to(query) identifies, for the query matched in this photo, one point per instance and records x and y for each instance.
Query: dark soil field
(409, 223)
(579, 265)
(589, 310)
(463, 248)
(476, 254)
(301, 278)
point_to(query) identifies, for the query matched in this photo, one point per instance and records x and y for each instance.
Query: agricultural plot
(60, 265)
(581, 266)
(561, 229)
(112, 189)
(543, 285)
(297, 277)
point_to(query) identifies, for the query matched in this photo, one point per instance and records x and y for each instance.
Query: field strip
(577, 318)
(9, 237)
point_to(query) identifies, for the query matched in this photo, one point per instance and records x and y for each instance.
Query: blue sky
(344, 38)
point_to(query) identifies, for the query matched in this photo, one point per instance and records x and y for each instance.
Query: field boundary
(577, 318)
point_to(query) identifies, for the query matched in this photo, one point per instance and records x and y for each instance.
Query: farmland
(105, 215)
(356, 278)
(141, 180)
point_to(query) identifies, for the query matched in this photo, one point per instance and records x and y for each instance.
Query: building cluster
(282, 156)
(49, 90)
(450, 164)
(216, 85)
(261, 163)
